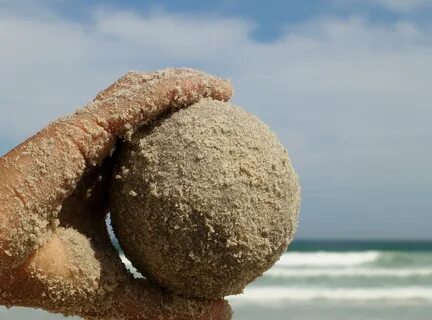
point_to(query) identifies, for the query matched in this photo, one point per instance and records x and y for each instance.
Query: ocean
(358, 280)
(361, 280)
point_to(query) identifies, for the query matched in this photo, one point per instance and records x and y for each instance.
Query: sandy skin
(54, 249)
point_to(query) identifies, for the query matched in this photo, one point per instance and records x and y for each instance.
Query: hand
(55, 252)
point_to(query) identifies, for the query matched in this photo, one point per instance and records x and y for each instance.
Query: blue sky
(344, 84)
(269, 20)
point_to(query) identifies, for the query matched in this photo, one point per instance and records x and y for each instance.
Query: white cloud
(61, 63)
(351, 100)
(404, 5)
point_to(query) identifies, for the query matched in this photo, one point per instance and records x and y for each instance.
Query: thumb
(141, 300)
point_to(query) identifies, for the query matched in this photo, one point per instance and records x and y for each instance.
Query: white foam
(277, 294)
(314, 259)
(349, 272)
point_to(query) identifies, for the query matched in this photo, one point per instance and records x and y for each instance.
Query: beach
(359, 280)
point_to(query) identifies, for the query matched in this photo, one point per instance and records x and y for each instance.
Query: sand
(205, 200)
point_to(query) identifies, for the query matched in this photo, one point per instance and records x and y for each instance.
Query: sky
(345, 84)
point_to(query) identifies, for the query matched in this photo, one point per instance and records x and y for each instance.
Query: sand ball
(204, 200)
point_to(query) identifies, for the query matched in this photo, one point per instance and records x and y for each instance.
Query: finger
(148, 95)
(140, 78)
(37, 176)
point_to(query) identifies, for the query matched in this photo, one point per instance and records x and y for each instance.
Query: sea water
(362, 280)
(358, 280)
